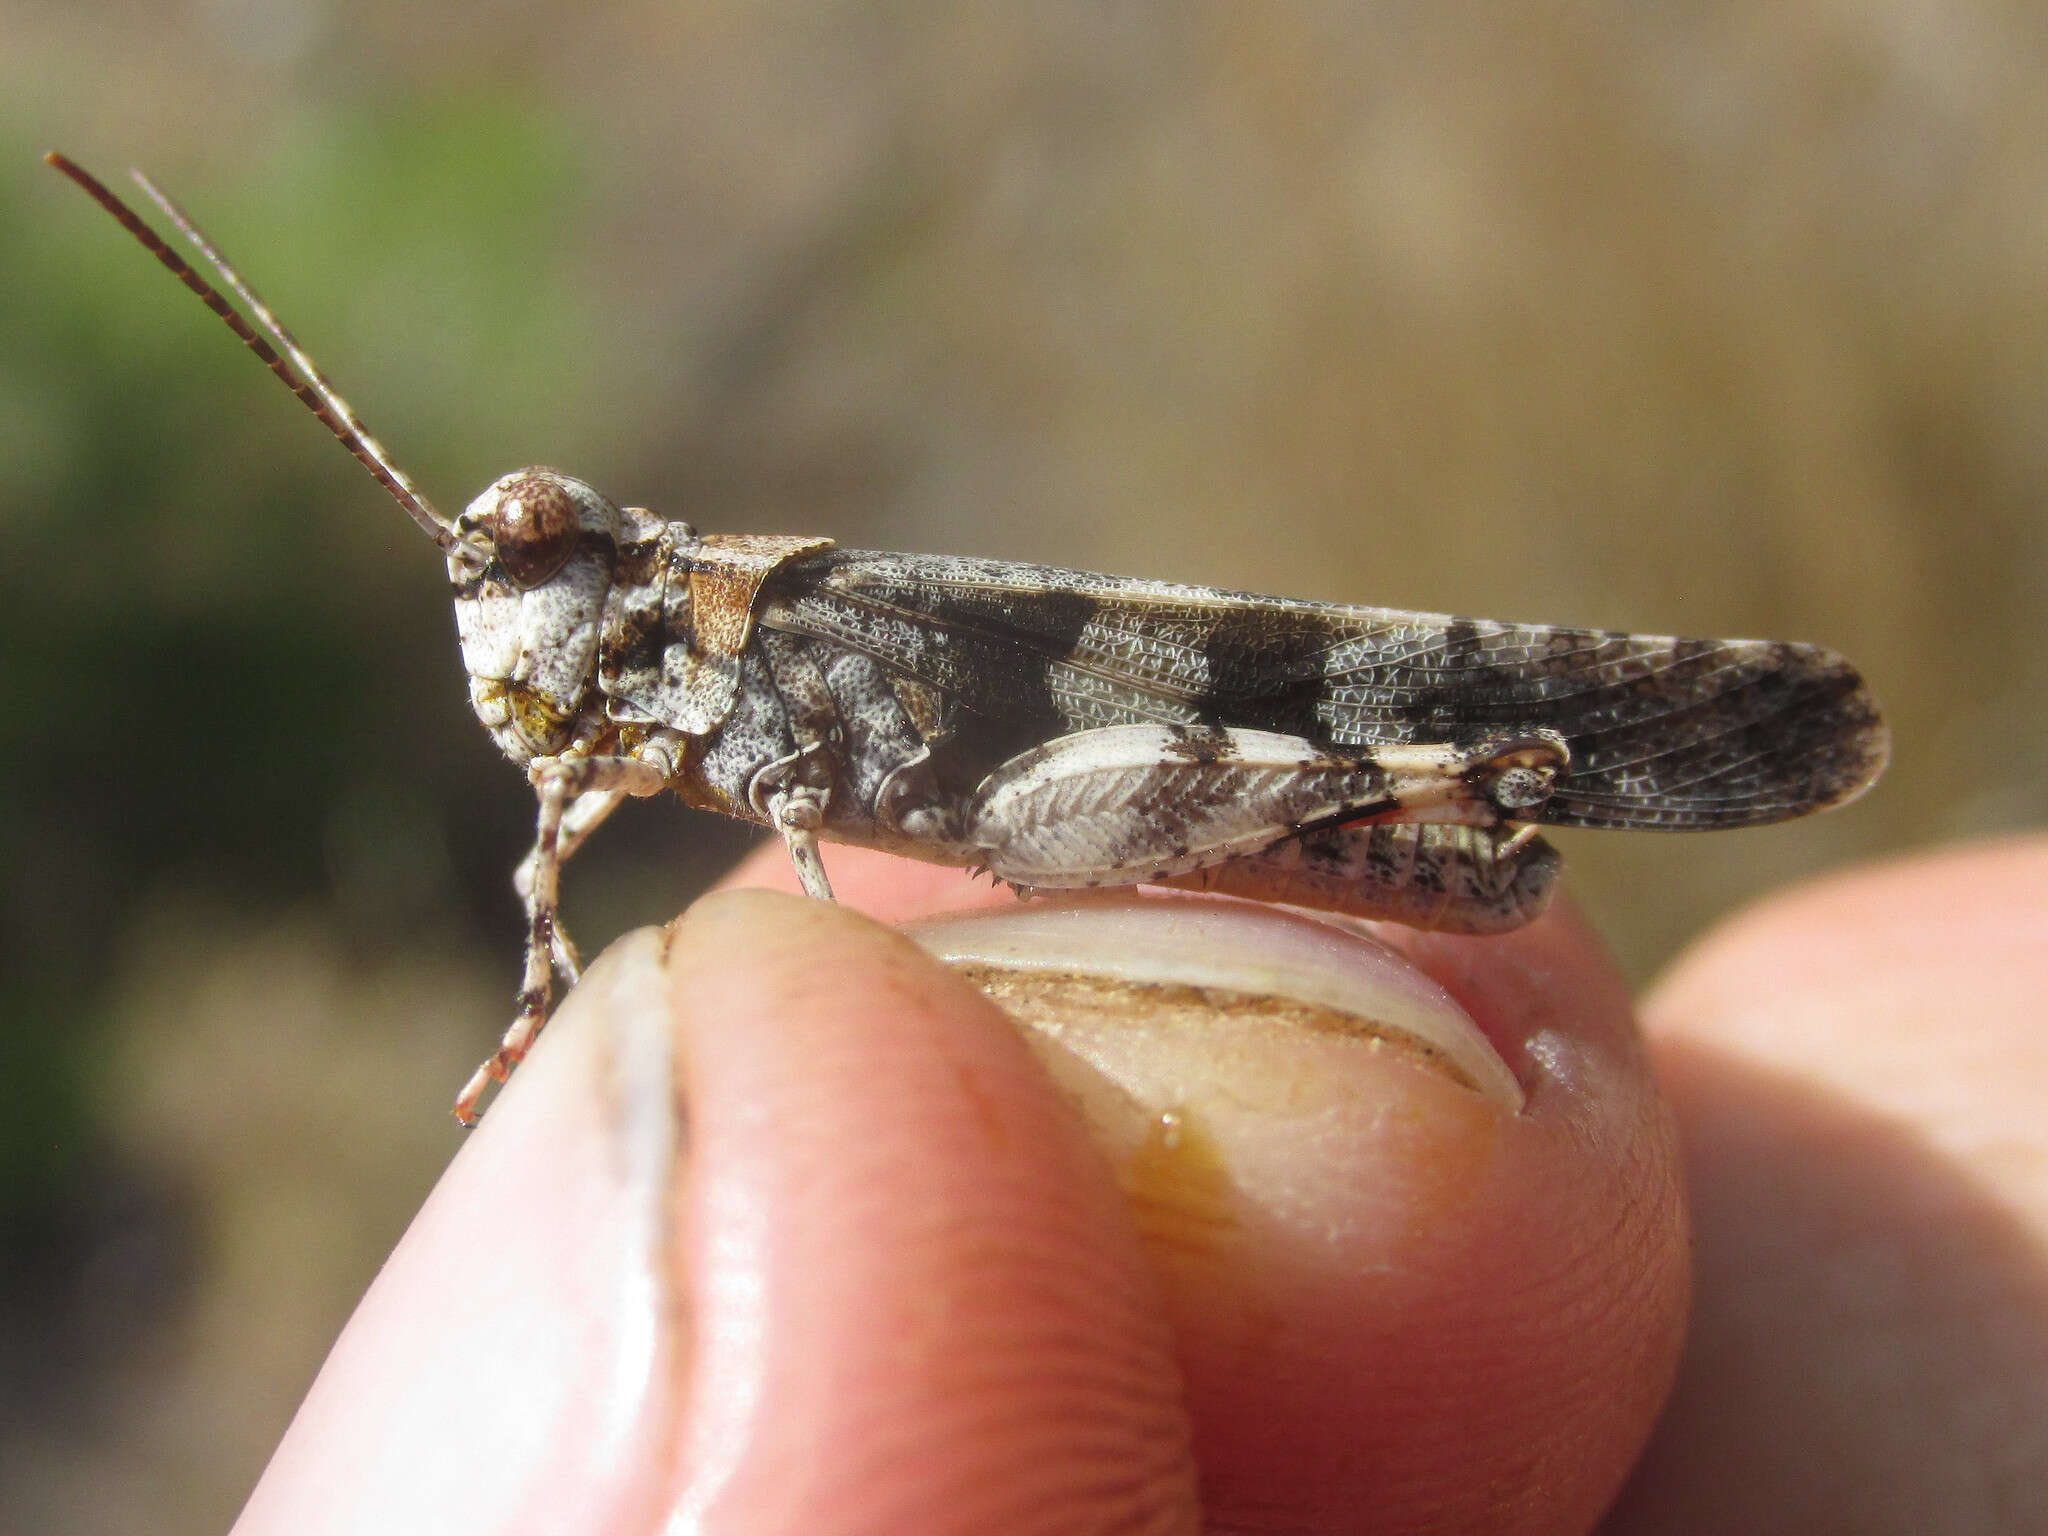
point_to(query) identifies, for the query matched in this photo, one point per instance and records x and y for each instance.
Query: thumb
(780, 1228)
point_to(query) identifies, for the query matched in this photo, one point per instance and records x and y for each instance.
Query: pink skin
(1860, 1072)
(784, 1228)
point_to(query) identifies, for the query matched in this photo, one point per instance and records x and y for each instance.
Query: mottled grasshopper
(1058, 729)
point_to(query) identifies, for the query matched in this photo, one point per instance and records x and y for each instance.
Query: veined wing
(1664, 732)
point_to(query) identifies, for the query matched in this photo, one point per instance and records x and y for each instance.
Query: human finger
(1861, 1075)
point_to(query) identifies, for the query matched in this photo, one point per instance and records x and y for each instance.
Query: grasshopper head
(531, 565)
(531, 558)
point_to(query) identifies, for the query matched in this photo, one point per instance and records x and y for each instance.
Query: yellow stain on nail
(1180, 1189)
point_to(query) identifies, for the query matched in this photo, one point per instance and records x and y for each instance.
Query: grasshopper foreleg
(575, 794)
(580, 818)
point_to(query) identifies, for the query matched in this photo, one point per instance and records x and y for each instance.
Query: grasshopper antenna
(308, 383)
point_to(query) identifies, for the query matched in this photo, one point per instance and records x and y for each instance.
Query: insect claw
(479, 1084)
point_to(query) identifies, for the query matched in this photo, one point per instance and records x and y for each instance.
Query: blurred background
(1709, 318)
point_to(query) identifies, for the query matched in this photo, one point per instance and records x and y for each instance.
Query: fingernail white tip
(1233, 946)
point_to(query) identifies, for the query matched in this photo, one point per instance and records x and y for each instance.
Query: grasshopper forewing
(1060, 729)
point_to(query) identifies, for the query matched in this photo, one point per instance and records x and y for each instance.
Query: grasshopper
(1057, 729)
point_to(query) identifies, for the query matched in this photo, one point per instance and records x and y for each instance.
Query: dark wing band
(1664, 733)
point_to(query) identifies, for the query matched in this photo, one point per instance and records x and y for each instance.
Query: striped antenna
(308, 383)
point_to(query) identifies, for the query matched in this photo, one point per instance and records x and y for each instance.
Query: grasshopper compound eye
(532, 522)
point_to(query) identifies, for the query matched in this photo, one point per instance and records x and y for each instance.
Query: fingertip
(1949, 927)
(1857, 1064)
(779, 1227)
(931, 1310)
(1392, 1290)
